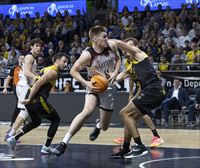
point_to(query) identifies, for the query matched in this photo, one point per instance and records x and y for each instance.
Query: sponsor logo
(154, 3)
(52, 9)
(13, 10)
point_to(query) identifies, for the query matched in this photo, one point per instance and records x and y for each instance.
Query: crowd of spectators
(169, 37)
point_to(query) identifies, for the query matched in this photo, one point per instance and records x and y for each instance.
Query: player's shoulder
(112, 45)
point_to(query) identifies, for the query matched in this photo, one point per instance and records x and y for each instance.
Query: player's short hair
(134, 40)
(36, 41)
(96, 30)
(59, 56)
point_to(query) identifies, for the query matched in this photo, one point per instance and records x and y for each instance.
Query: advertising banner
(153, 4)
(51, 7)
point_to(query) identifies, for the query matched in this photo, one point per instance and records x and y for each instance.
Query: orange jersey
(14, 72)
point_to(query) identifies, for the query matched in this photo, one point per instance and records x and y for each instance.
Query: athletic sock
(67, 138)
(155, 133)
(126, 146)
(19, 134)
(48, 142)
(138, 141)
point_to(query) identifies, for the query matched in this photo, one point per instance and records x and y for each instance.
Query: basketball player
(151, 96)
(37, 104)
(102, 58)
(14, 76)
(130, 73)
(26, 76)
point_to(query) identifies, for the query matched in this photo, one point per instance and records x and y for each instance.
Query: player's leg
(156, 140)
(90, 104)
(17, 110)
(21, 93)
(35, 122)
(49, 113)
(101, 124)
(106, 106)
(130, 114)
(125, 148)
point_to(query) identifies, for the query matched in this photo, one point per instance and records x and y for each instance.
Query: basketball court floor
(180, 150)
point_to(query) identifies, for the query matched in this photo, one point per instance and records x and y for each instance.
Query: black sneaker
(60, 149)
(137, 150)
(120, 154)
(95, 132)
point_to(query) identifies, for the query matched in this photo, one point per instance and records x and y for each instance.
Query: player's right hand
(5, 91)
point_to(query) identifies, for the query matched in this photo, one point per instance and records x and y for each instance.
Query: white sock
(67, 138)
(98, 125)
(12, 132)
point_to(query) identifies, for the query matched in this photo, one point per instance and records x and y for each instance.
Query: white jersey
(23, 80)
(102, 62)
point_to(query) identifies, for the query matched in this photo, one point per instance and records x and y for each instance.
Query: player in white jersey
(102, 58)
(26, 76)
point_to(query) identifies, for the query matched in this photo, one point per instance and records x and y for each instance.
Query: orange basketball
(101, 82)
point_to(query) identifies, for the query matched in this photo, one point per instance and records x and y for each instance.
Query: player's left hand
(25, 101)
(112, 77)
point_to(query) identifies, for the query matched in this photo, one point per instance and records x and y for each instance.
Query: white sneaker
(46, 150)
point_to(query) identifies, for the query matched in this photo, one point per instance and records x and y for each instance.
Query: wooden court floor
(180, 150)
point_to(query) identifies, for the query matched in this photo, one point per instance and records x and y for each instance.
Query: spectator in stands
(190, 57)
(177, 63)
(12, 59)
(177, 98)
(72, 60)
(48, 36)
(163, 65)
(68, 87)
(195, 26)
(81, 21)
(166, 52)
(187, 47)
(85, 37)
(61, 47)
(194, 108)
(3, 68)
(4, 52)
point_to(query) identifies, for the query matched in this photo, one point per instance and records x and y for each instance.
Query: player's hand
(92, 88)
(130, 97)
(112, 77)
(25, 101)
(5, 91)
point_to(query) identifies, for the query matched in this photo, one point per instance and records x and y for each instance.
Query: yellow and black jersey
(145, 72)
(45, 89)
(129, 68)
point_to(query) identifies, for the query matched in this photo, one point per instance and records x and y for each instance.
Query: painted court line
(141, 165)
(16, 159)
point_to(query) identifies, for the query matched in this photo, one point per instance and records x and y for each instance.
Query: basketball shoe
(95, 132)
(137, 150)
(60, 149)
(156, 141)
(46, 150)
(11, 141)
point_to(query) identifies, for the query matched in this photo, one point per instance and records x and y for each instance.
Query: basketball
(101, 82)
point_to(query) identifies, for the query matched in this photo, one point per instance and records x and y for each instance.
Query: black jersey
(145, 72)
(45, 89)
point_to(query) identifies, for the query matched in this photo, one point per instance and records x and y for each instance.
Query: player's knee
(104, 127)
(122, 113)
(36, 123)
(23, 114)
(55, 118)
